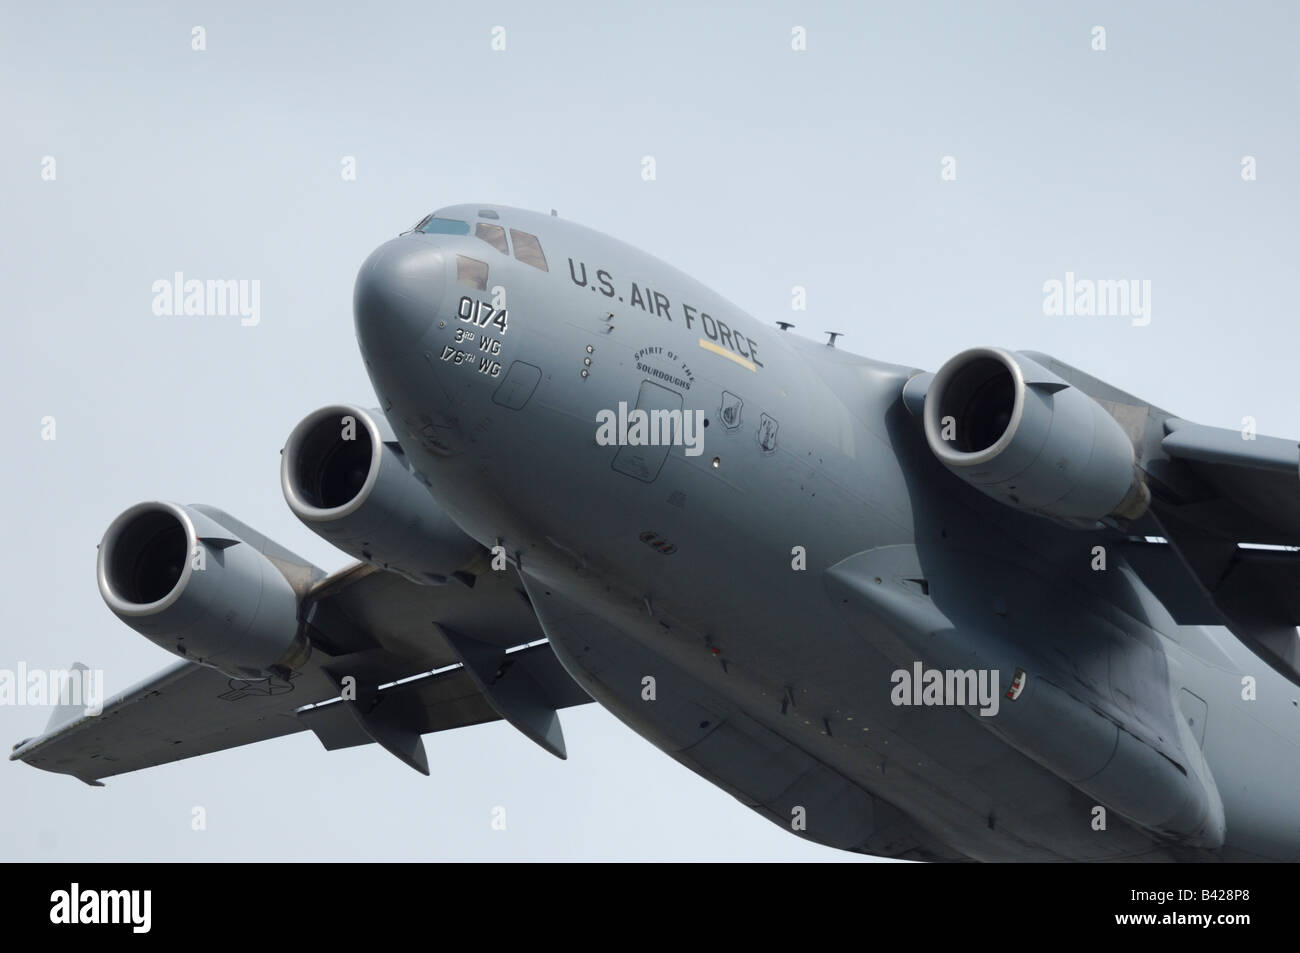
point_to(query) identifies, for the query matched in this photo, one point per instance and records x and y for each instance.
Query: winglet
(69, 712)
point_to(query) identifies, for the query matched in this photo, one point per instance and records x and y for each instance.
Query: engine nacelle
(345, 476)
(1022, 435)
(196, 588)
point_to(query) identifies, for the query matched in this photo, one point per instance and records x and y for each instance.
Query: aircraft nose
(398, 295)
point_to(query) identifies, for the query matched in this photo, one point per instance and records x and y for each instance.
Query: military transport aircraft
(1004, 611)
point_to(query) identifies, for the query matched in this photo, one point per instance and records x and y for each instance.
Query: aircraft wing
(1250, 486)
(1229, 507)
(391, 661)
(1228, 504)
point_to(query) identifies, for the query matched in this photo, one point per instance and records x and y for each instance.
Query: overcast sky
(775, 168)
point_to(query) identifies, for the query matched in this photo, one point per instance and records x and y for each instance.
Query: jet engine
(346, 477)
(200, 590)
(1022, 435)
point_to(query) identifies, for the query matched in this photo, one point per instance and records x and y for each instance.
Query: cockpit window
(472, 272)
(443, 226)
(494, 235)
(528, 249)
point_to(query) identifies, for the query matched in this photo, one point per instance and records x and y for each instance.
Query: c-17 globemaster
(1004, 611)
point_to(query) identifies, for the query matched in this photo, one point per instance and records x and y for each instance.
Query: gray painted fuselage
(772, 681)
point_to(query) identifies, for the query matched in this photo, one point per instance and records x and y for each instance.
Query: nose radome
(398, 294)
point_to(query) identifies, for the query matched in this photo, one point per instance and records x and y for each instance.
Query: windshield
(443, 226)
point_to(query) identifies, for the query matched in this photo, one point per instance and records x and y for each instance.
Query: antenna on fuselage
(784, 325)
(833, 336)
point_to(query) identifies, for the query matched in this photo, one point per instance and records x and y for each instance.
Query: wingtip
(16, 753)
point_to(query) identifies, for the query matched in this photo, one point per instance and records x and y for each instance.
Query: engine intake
(196, 588)
(1022, 435)
(345, 476)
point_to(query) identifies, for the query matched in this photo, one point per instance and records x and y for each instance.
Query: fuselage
(691, 589)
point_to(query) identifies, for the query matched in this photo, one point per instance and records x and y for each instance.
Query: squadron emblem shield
(767, 428)
(729, 410)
